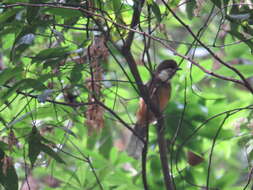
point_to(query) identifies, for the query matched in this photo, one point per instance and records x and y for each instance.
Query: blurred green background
(46, 54)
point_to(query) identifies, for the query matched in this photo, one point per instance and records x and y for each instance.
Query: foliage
(69, 92)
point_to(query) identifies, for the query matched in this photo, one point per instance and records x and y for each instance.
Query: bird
(159, 91)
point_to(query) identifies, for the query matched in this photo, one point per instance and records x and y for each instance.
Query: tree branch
(138, 4)
(163, 154)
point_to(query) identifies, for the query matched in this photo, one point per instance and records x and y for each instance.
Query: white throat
(163, 75)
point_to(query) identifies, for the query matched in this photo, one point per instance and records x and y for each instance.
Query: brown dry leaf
(7, 163)
(194, 159)
(95, 113)
(30, 184)
(199, 7)
(12, 140)
(51, 181)
(94, 118)
(1, 62)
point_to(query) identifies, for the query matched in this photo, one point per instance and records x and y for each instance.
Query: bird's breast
(164, 95)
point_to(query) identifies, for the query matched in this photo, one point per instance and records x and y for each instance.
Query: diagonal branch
(138, 4)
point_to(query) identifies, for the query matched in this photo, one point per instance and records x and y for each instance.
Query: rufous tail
(135, 145)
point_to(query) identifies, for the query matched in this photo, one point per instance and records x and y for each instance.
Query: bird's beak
(178, 69)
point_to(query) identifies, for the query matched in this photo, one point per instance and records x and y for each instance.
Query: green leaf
(67, 130)
(208, 94)
(107, 144)
(197, 74)
(9, 73)
(33, 152)
(51, 153)
(1, 151)
(116, 6)
(52, 62)
(174, 3)
(10, 91)
(234, 51)
(65, 13)
(14, 1)
(245, 69)
(239, 17)
(32, 12)
(22, 117)
(233, 25)
(190, 8)
(44, 77)
(71, 21)
(22, 41)
(76, 73)
(156, 10)
(217, 3)
(46, 140)
(50, 53)
(9, 179)
(86, 43)
(11, 29)
(3, 146)
(241, 37)
(33, 143)
(32, 83)
(23, 85)
(210, 130)
(155, 165)
(4, 16)
(36, 146)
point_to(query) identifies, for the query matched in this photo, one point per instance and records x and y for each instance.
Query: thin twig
(249, 179)
(95, 174)
(77, 104)
(144, 159)
(212, 150)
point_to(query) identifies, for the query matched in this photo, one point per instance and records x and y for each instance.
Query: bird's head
(166, 70)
